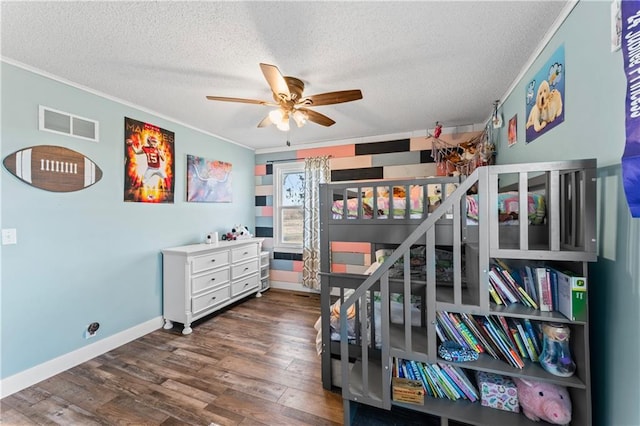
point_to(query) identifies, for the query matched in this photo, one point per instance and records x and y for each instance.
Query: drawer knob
(246, 269)
(213, 279)
(214, 298)
(246, 284)
(213, 260)
(246, 252)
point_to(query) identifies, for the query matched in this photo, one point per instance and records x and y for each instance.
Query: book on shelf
(466, 333)
(449, 329)
(503, 343)
(508, 279)
(533, 290)
(506, 329)
(522, 350)
(447, 374)
(444, 382)
(474, 328)
(458, 375)
(405, 372)
(528, 344)
(533, 334)
(552, 276)
(397, 370)
(425, 380)
(494, 295)
(440, 332)
(416, 373)
(501, 287)
(433, 381)
(482, 327)
(544, 289)
(572, 295)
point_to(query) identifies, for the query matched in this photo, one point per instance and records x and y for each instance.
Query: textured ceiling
(415, 62)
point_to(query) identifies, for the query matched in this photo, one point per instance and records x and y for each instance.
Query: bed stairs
(367, 378)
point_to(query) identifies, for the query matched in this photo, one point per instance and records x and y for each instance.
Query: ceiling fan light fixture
(276, 116)
(300, 117)
(283, 125)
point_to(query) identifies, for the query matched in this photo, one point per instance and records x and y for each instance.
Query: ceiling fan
(290, 103)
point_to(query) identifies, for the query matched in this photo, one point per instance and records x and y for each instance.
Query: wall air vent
(64, 123)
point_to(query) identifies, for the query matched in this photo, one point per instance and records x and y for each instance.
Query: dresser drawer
(244, 285)
(210, 279)
(210, 261)
(245, 268)
(211, 299)
(245, 252)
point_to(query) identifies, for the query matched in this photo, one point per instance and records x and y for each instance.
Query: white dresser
(199, 279)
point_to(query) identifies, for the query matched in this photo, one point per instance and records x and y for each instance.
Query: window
(288, 209)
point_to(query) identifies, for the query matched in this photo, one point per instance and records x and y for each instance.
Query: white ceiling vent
(64, 123)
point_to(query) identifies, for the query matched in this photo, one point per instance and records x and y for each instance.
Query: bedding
(382, 201)
(399, 208)
(396, 309)
(508, 207)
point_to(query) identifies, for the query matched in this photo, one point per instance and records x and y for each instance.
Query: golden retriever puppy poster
(545, 97)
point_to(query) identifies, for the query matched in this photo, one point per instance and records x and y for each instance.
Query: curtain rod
(291, 160)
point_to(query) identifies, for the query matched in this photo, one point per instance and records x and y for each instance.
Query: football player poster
(149, 163)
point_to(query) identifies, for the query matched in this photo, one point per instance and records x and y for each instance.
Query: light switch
(9, 236)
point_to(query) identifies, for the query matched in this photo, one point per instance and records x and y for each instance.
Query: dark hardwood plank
(254, 363)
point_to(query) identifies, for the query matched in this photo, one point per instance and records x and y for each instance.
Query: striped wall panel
(401, 145)
(396, 159)
(357, 174)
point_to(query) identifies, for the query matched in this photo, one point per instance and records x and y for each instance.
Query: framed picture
(545, 96)
(149, 166)
(208, 181)
(512, 135)
(616, 25)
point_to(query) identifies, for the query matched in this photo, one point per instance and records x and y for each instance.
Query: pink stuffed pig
(544, 401)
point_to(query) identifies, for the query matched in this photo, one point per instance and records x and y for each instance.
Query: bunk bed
(459, 223)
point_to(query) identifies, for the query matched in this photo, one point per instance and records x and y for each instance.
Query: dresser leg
(168, 325)
(187, 329)
(258, 294)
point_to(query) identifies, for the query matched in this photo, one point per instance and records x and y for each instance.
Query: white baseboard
(47, 369)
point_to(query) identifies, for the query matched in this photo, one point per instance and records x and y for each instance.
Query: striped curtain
(316, 171)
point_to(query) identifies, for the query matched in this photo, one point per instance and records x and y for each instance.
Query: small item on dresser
(498, 391)
(544, 401)
(241, 232)
(208, 239)
(455, 352)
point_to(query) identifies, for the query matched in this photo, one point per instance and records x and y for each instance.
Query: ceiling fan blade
(241, 100)
(331, 98)
(276, 81)
(265, 122)
(318, 118)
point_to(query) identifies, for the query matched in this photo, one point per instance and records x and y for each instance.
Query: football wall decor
(53, 168)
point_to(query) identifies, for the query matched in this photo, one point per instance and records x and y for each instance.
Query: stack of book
(509, 339)
(438, 380)
(539, 287)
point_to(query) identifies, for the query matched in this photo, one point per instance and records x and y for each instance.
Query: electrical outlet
(9, 236)
(92, 330)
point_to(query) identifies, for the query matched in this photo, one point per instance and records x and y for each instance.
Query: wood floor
(253, 364)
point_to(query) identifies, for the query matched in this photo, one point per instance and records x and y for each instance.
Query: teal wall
(88, 256)
(594, 127)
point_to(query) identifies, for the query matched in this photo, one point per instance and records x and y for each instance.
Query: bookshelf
(264, 271)
(566, 242)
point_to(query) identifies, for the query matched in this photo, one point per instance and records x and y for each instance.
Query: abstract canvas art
(208, 181)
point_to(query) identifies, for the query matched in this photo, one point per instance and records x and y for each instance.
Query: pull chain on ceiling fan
(290, 103)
